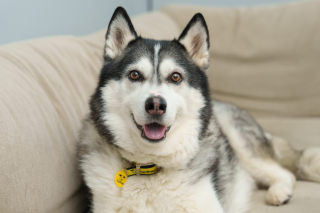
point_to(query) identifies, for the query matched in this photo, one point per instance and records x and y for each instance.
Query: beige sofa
(264, 59)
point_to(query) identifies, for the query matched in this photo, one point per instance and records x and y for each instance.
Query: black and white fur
(213, 153)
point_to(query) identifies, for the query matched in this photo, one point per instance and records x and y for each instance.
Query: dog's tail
(304, 164)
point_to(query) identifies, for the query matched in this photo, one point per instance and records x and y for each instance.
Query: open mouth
(153, 132)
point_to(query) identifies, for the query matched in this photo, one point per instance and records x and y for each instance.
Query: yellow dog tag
(120, 178)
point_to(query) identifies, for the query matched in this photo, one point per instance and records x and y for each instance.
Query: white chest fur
(166, 191)
(169, 191)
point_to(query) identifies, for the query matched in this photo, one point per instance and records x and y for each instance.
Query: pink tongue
(154, 131)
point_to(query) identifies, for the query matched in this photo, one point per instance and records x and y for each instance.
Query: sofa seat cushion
(306, 197)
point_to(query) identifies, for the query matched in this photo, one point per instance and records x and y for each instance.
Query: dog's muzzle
(154, 131)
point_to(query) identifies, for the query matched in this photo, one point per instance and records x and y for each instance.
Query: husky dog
(156, 142)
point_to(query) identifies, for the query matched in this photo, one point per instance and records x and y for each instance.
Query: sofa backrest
(264, 59)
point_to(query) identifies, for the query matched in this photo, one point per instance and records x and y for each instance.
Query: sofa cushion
(305, 199)
(264, 59)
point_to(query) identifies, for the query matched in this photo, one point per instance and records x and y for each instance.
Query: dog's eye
(175, 77)
(134, 75)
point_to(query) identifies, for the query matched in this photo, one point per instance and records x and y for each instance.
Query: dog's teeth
(142, 133)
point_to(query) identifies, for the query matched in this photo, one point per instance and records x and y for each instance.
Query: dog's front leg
(204, 209)
(101, 205)
(214, 207)
(203, 198)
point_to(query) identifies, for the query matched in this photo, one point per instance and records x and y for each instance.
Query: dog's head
(153, 96)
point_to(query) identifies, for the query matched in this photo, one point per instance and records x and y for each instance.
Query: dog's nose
(156, 105)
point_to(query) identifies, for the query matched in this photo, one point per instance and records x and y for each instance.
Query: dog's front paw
(279, 194)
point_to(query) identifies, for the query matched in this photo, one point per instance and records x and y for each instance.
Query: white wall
(27, 19)
(220, 3)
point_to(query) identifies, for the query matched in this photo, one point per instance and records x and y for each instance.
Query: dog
(155, 141)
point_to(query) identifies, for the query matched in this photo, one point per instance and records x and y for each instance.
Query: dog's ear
(120, 33)
(195, 38)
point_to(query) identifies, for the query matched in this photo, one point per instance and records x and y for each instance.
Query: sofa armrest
(45, 85)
